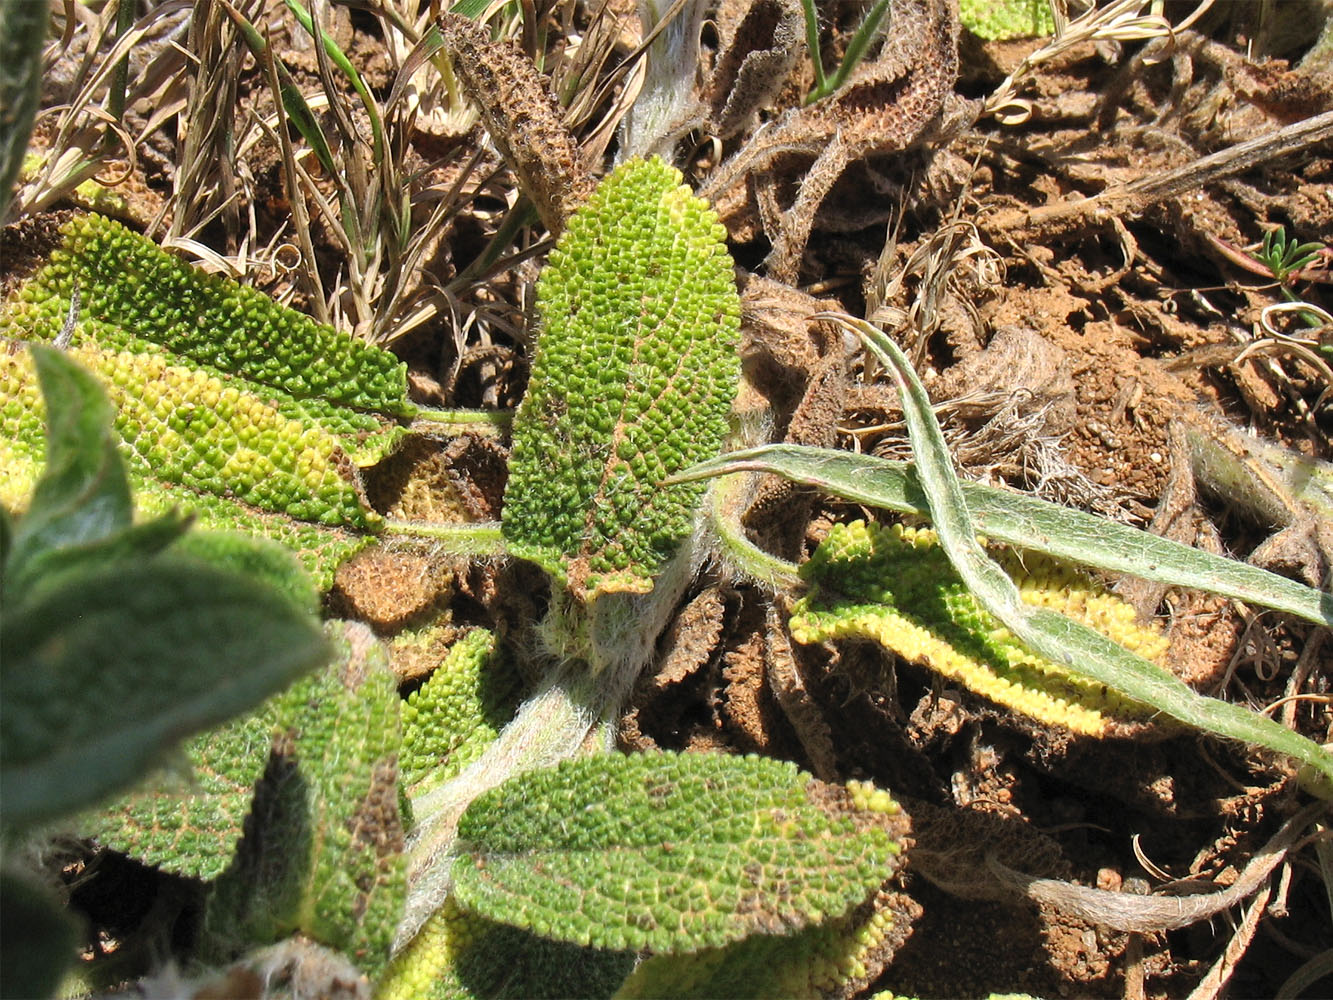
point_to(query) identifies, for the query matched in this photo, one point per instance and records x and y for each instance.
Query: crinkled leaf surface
(139, 291)
(226, 404)
(208, 433)
(103, 673)
(83, 495)
(672, 852)
(635, 372)
(322, 850)
(457, 713)
(189, 822)
(460, 956)
(896, 586)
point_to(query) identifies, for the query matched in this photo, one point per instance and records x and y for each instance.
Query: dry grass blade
(81, 144)
(205, 184)
(1120, 21)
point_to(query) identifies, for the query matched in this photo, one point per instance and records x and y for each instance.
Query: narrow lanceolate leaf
(895, 585)
(460, 956)
(170, 646)
(1026, 522)
(635, 371)
(132, 285)
(322, 851)
(673, 852)
(833, 960)
(1047, 632)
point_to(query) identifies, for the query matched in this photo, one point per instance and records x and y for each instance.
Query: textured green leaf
(130, 284)
(320, 549)
(634, 375)
(672, 852)
(189, 822)
(896, 586)
(181, 425)
(456, 713)
(37, 940)
(322, 850)
(255, 558)
(103, 673)
(1005, 19)
(835, 959)
(460, 956)
(314, 478)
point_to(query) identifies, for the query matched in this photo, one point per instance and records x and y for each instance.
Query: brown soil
(1070, 354)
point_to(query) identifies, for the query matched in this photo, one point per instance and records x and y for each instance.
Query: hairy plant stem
(601, 648)
(493, 423)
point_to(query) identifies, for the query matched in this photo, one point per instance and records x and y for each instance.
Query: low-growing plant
(534, 857)
(117, 639)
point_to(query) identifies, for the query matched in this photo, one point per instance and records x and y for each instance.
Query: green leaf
(460, 956)
(83, 495)
(633, 379)
(1005, 19)
(320, 550)
(99, 676)
(1028, 523)
(896, 586)
(836, 959)
(37, 940)
(1046, 632)
(131, 291)
(48, 569)
(450, 720)
(255, 558)
(188, 822)
(322, 851)
(672, 852)
(22, 32)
